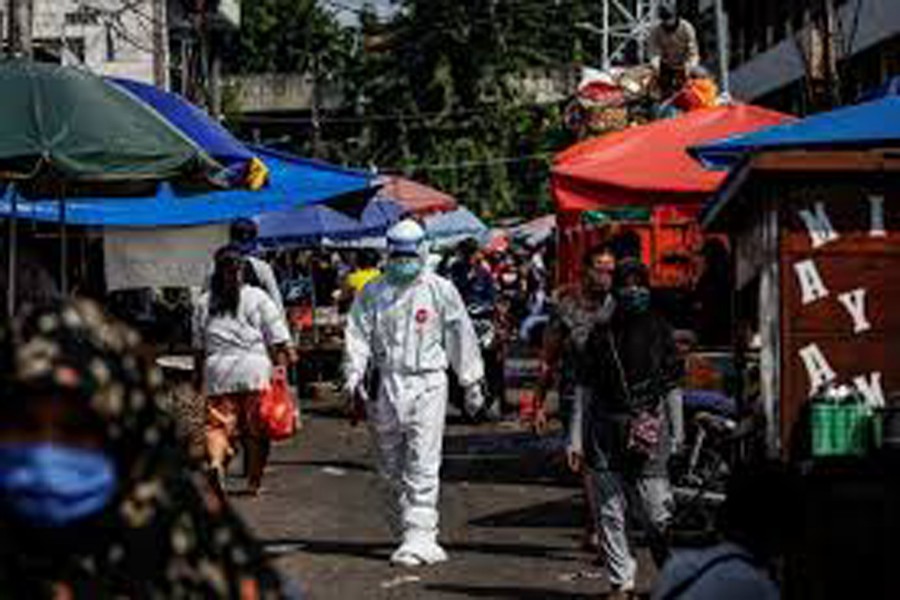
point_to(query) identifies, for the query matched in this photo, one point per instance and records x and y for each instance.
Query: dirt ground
(511, 517)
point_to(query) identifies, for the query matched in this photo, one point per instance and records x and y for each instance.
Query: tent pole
(13, 250)
(63, 247)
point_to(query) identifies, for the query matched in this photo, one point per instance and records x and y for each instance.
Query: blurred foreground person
(239, 331)
(632, 367)
(753, 523)
(96, 498)
(409, 327)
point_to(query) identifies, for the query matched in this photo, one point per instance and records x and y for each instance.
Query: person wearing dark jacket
(630, 366)
(753, 522)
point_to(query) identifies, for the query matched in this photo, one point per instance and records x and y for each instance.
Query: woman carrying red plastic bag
(239, 332)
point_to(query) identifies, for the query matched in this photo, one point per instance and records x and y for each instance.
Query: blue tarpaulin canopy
(311, 225)
(451, 227)
(867, 125)
(293, 182)
(193, 122)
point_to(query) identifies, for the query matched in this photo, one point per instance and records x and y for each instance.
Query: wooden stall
(816, 237)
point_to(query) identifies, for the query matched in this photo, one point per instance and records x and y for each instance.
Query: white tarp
(169, 257)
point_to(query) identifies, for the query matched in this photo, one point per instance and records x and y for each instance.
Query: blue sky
(384, 8)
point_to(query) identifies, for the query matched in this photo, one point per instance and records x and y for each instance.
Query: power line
(474, 164)
(399, 117)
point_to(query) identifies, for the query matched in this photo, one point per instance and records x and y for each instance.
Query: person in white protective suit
(410, 325)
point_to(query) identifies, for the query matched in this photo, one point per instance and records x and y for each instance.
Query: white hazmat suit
(411, 332)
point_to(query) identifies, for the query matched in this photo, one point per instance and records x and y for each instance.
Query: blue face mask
(48, 485)
(634, 299)
(403, 270)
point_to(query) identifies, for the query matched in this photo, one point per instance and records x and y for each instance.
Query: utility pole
(160, 66)
(606, 34)
(19, 23)
(723, 46)
(832, 81)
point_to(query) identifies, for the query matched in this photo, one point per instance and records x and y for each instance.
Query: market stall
(641, 181)
(813, 211)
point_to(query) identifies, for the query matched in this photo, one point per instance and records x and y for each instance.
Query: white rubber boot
(419, 548)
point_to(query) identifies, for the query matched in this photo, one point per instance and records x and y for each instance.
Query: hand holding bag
(277, 411)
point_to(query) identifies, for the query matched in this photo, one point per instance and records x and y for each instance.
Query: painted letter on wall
(819, 226)
(855, 303)
(817, 368)
(876, 208)
(812, 287)
(871, 389)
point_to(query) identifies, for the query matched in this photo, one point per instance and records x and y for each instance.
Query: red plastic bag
(277, 412)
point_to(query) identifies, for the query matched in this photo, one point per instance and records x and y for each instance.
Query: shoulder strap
(623, 377)
(683, 586)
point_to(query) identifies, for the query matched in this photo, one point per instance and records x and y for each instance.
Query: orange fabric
(697, 94)
(649, 165)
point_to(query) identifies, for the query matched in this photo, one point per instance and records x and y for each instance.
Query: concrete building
(110, 37)
(777, 49)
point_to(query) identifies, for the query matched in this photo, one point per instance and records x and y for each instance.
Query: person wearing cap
(673, 49)
(409, 326)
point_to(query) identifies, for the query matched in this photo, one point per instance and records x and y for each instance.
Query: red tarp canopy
(649, 165)
(417, 198)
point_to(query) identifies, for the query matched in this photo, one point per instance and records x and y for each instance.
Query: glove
(474, 398)
(357, 398)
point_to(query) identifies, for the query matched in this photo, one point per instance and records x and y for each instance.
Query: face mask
(635, 299)
(51, 486)
(403, 270)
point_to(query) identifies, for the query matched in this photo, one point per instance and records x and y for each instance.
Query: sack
(277, 412)
(644, 430)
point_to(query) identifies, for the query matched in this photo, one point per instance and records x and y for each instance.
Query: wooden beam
(882, 159)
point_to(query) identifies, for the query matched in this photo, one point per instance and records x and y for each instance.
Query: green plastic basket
(840, 429)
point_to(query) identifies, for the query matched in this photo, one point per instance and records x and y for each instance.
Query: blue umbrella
(293, 182)
(311, 225)
(451, 227)
(194, 123)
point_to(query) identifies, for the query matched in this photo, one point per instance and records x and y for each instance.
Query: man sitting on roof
(673, 50)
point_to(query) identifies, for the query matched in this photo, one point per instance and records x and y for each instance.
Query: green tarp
(75, 126)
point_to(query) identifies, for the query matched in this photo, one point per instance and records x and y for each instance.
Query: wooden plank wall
(856, 267)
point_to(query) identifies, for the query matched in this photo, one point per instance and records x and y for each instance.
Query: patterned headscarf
(165, 535)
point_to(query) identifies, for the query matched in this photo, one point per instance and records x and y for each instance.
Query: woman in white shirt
(240, 338)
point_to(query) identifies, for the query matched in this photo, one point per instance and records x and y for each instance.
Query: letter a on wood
(812, 287)
(817, 367)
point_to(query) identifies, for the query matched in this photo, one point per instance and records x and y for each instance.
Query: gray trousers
(647, 499)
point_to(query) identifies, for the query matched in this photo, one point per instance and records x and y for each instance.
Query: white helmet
(405, 238)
